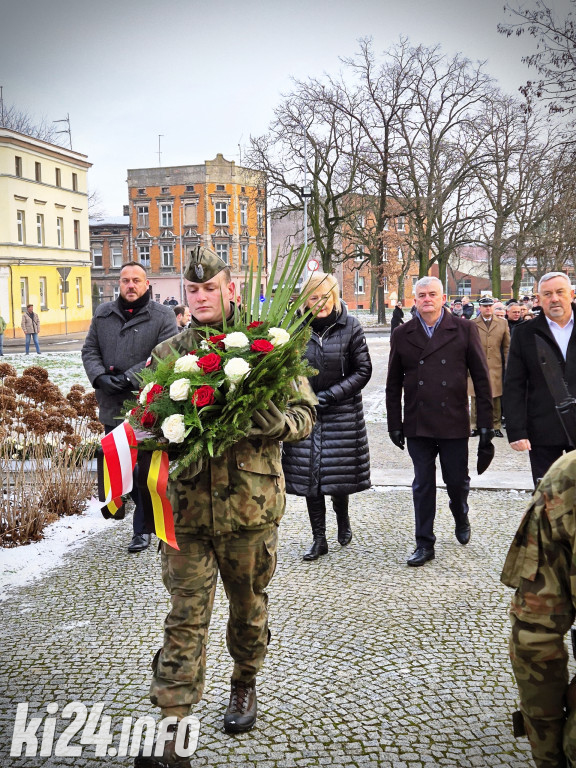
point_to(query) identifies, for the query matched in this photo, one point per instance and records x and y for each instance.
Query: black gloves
(397, 437)
(486, 436)
(325, 400)
(113, 384)
(269, 422)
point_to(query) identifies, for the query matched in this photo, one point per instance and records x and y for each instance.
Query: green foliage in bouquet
(196, 406)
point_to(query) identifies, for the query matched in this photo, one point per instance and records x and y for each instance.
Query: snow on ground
(64, 368)
(20, 565)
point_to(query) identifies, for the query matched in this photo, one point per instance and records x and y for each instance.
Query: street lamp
(306, 193)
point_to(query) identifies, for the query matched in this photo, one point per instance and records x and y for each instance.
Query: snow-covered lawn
(65, 368)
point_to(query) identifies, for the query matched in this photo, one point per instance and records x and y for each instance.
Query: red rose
(154, 392)
(134, 412)
(262, 346)
(210, 363)
(148, 418)
(218, 340)
(203, 396)
(255, 324)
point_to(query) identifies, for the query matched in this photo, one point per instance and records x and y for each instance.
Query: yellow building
(44, 237)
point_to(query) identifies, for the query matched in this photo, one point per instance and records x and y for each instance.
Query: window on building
(464, 287)
(17, 166)
(79, 297)
(58, 177)
(40, 228)
(190, 188)
(60, 232)
(165, 190)
(386, 224)
(244, 254)
(167, 255)
(526, 285)
(63, 293)
(222, 251)
(24, 293)
(400, 224)
(116, 292)
(359, 253)
(400, 255)
(142, 191)
(221, 213)
(77, 234)
(220, 187)
(75, 182)
(143, 216)
(260, 217)
(358, 283)
(21, 226)
(97, 256)
(38, 171)
(43, 286)
(166, 215)
(144, 255)
(115, 255)
(243, 214)
(190, 215)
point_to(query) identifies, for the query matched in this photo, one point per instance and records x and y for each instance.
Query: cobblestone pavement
(371, 663)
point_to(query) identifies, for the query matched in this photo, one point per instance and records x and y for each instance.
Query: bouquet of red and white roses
(197, 405)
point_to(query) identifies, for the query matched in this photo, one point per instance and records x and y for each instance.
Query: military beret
(486, 301)
(204, 264)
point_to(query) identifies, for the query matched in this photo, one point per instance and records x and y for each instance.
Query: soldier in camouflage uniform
(541, 566)
(226, 516)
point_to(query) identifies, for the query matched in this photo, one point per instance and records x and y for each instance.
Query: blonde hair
(327, 284)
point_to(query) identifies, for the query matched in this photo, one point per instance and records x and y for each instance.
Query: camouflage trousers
(246, 561)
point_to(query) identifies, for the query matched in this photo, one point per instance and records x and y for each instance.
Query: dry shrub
(46, 444)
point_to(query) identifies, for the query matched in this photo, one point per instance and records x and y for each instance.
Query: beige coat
(495, 341)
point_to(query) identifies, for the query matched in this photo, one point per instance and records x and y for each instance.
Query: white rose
(173, 428)
(236, 340)
(179, 389)
(278, 336)
(187, 363)
(236, 368)
(204, 345)
(144, 392)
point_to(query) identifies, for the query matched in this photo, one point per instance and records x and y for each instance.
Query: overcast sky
(207, 74)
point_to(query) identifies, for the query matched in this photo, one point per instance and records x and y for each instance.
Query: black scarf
(319, 324)
(131, 308)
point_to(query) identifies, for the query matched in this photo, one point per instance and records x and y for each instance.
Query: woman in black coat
(397, 317)
(334, 461)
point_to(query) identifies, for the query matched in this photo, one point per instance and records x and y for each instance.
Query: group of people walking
(318, 448)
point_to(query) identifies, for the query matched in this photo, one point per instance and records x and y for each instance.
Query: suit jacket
(433, 372)
(495, 340)
(529, 407)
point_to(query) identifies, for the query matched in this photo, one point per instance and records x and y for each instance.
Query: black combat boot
(242, 709)
(169, 757)
(340, 504)
(317, 512)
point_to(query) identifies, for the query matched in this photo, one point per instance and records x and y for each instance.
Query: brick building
(172, 210)
(110, 248)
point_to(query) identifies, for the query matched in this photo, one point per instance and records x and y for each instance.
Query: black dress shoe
(140, 542)
(242, 709)
(420, 556)
(463, 533)
(475, 433)
(498, 433)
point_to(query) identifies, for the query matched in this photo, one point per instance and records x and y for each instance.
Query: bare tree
(18, 120)
(442, 150)
(555, 56)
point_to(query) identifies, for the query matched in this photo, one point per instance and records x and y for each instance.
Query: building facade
(110, 245)
(44, 238)
(217, 204)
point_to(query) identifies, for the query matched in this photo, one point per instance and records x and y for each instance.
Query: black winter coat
(335, 459)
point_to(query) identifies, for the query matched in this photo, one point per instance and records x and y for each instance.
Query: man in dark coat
(121, 337)
(532, 423)
(430, 359)
(397, 317)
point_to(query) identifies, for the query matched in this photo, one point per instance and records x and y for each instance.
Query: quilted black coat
(335, 459)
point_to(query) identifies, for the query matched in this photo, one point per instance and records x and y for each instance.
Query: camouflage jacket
(243, 488)
(541, 567)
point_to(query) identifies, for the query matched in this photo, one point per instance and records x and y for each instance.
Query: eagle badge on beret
(199, 271)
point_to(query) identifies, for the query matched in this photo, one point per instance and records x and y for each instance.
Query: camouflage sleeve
(300, 412)
(540, 566)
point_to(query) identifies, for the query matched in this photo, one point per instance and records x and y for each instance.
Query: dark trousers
(454, 465)
(138, 522)
(542, 457)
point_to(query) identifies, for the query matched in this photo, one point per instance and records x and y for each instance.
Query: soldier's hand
(268, 422)
(486, 436)
(397, 437)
